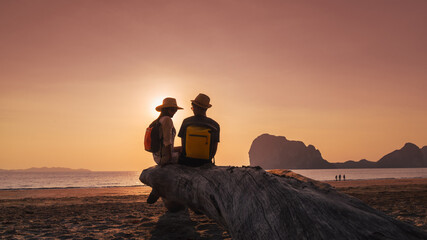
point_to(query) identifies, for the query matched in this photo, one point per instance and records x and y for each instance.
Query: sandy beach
(122, 213)
(404, 199)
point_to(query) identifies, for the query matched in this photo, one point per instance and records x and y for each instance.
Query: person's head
(168, 111)
(200, 104)
(168, 108)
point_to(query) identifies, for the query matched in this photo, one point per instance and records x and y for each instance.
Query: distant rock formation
(272, 152)
(424, 151)
(410, 156)
(275, 152)
(353, 164)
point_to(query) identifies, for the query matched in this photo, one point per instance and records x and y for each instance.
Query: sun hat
(168, 103)
(202, 101)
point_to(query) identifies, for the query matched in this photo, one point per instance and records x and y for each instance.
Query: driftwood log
(254, 204)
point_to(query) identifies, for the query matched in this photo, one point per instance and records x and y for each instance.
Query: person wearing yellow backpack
(199, 135)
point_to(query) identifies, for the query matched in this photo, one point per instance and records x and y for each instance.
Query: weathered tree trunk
(254, 204)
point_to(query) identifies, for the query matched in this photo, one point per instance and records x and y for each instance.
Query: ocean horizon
(11, 180)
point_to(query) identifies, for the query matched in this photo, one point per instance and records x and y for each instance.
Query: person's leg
(182, 160)
(153, 197)
(175, 158)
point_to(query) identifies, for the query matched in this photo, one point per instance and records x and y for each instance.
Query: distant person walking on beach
(339, 177)
(199, 134)
(343, 176)
(167, 154)
(336, 178)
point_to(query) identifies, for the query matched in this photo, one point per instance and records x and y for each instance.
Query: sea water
(95, 179)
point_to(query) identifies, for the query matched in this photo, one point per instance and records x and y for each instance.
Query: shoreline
(73, 192)
(142, 189)
(376, 182)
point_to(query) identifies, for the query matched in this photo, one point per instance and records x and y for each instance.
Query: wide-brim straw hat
(168, 103)
(202, 100)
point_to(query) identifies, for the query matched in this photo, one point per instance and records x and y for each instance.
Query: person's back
(166, 154)
(167, 135)
(199, 135)
(190, 129)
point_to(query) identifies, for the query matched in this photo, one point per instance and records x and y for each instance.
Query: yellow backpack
(198, 142)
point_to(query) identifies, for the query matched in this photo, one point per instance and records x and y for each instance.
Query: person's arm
(218, 131)
(167, 157)
(182, 129)
(167, 126)
(216, 140)
(181, 134)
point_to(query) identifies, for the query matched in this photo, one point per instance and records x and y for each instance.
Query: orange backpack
(152, 140)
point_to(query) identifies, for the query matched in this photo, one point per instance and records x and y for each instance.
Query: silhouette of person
(167, 153)
(336, 178)
(343, 177)
(339, 177)
(199, 106)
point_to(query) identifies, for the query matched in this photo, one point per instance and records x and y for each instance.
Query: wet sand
(122, 213)
(404, 199)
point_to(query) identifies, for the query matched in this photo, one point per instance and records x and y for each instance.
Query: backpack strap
(157, 121)
(160, 137)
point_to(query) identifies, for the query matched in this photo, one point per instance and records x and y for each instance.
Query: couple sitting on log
(199, 136)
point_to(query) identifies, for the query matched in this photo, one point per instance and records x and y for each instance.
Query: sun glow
(161, 91)
(153, 103)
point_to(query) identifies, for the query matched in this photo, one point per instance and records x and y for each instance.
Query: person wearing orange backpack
(167, 153)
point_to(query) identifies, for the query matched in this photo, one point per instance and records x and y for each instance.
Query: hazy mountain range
(271, 152)
(46, 169)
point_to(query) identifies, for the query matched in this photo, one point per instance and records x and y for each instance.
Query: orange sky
(79, 80)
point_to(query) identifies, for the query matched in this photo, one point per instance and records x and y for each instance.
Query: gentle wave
(69, 180)
(63, 180)
(44, 188)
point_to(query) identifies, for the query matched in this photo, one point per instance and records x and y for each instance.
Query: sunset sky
(79, 80)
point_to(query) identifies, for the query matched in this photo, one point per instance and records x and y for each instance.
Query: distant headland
(276, 152)
(47, 169)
